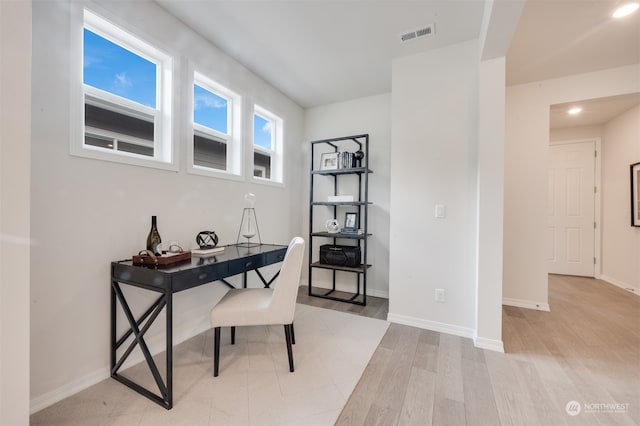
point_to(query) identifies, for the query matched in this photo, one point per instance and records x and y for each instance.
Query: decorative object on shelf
(153, 239)
(329, 161)
(332, 226)
(357, 158)
(331, 254)
(249, 223)
(635, 194)
(350, 221)
(207, 240)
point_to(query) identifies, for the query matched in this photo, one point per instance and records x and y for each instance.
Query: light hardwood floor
(587, 349)
(376, 307)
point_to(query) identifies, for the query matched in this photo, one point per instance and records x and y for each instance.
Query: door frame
(597, 206)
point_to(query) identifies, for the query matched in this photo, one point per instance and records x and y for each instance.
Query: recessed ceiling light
(625, 10)
(575, 110)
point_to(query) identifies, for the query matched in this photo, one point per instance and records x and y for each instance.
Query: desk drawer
(247, 264)
(275, 257)
(140, 276)
(195, 277)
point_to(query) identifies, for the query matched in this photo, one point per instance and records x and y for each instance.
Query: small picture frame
(350, 220)
(635, 194)
(329, 161)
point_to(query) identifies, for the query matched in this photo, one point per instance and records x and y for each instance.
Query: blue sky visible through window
(114, 69)
(261, 132)
(209, 109)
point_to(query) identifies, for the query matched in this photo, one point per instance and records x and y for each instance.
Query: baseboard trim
(489, 344)
(43, 401)
(628, 287)
(440, 327)
(527, 304)
(156, 345)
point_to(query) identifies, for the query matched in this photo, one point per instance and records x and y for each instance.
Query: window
(126, 88)
(216, 129)
(267, 145)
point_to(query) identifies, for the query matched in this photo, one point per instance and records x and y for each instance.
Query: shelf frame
(362, 203)
(338, 235)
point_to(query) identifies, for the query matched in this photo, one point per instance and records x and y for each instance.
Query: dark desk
(166, 281)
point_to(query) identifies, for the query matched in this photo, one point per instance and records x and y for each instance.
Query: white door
(570, 209)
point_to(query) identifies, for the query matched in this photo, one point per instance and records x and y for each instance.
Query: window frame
(232, 139)
(164, 152)
(276, 153)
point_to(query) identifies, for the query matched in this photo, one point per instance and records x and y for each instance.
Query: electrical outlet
(440, 295)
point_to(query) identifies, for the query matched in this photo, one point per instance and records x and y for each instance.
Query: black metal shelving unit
(361, 203)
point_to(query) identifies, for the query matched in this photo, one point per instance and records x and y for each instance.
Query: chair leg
(233, 335)
(287, 335)
(293, 335)
(216, 350)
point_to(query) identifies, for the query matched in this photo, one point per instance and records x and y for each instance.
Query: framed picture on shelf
(635, 194)
(350, 220)
(329, 161)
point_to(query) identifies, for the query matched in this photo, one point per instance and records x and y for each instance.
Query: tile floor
(254, 386)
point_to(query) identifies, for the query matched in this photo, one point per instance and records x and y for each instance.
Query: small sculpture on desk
(249, 223)
(207, 240)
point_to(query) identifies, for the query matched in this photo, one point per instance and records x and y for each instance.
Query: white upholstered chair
(262, 306)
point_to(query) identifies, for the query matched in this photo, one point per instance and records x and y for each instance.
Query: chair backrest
(285, 293)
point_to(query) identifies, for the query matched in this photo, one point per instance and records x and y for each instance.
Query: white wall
(433, 161)
(490, 221)
(575, 133)
(86, 213)
(527, 140)
(15, 183)
(370, 115)
(620, 241)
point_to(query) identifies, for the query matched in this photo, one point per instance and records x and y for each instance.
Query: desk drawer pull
(248, 264)
(202, 276)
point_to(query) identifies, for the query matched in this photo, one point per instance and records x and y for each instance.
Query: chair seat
(232, 310)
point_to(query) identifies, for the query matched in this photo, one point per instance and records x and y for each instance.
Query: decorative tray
(146, 257)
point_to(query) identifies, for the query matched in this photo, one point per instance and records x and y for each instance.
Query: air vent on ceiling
(422, 32)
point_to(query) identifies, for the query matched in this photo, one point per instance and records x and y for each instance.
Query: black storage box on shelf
(340, 255)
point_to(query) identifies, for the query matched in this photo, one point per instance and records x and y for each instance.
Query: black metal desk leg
(266, 283)
(165, 397)
(113, 328)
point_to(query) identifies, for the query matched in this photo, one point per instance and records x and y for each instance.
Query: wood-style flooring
(376, 307)
(576, 365)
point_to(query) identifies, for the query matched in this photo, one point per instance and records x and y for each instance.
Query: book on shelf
(340, 198)
(352, 231)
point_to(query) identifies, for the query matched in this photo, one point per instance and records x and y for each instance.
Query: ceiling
(319, 52)
(595, 112)
(556, 38)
